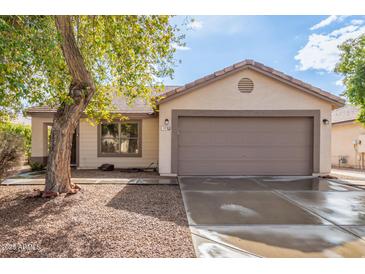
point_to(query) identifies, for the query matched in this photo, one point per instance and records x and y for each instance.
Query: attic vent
(245, 85)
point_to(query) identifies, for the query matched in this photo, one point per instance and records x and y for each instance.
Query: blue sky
(304, 47)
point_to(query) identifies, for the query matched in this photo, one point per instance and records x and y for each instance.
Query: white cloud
(196, 25)
(357, 22)
(321, 51)
(344, 30)
(339, 83)
(325, 22)
(178, 47)
(329, 20)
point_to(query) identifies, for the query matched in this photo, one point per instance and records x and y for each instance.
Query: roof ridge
(258, 66)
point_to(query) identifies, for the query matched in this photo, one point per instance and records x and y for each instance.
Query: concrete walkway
(130, 181)
(274, 217)
(356, 174)
(348, 176)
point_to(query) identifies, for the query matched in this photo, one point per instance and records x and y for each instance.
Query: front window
(120, 138)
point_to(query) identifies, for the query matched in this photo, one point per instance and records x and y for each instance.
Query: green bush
(11, 152)
(22, 131)
(35, 166)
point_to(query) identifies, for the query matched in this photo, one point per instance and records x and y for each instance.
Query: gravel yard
(99, 221)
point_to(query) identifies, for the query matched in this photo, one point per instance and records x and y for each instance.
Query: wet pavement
(341, 208)
(206, 248)
(274, 217)
(244, 207)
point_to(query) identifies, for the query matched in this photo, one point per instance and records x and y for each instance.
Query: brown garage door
(245, 146)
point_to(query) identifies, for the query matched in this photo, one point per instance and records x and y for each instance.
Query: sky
(304, 47)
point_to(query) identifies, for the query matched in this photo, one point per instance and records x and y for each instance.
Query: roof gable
(347, 113)
(258, 67)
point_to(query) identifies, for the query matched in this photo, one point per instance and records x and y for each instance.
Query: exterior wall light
(166, 125)
(325, 121)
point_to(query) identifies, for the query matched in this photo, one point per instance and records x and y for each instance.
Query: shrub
(22, 131)
(11, 152)
(35, 166)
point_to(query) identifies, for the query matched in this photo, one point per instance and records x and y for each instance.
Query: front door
(73, 150)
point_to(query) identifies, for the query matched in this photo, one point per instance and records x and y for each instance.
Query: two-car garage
(243, 144)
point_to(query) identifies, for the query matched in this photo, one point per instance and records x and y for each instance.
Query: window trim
(121, 154)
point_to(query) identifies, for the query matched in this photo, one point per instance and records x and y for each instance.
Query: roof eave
(50, 114)
(344, 122)
(334, 100)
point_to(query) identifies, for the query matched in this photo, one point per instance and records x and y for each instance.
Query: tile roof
(260, 68)
(139, 106)
(173, 91)
(345, 114)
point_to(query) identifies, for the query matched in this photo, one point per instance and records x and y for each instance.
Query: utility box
(361, 143)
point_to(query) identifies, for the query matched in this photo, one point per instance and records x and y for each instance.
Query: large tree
(352, 67)
(76, 64)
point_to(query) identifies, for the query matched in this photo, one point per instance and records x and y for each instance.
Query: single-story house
(246, 119)
(348, 138)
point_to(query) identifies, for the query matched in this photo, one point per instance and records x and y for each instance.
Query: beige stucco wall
(343, 136)
(268, 94)
(88, 144)
(88, 147)
(39, 135)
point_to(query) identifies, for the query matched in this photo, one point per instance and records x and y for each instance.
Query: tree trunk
(58, 177)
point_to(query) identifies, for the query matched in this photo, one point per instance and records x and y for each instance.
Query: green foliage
(23, 132)
(352, 66)
(11, 152)
(35, 166)
(126, 55)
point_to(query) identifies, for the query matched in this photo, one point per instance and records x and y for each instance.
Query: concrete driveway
(274, 217)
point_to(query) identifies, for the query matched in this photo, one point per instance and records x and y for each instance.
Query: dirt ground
(99, 221)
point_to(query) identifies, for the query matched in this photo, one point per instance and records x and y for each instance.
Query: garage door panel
(233, 167)
(245, 146)
(254, 124)
(195, 153)
(243, 138)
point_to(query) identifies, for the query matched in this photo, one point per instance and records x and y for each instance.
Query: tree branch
(72, 54)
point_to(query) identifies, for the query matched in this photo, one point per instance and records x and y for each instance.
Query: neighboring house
(348, 138)
(247, 119)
